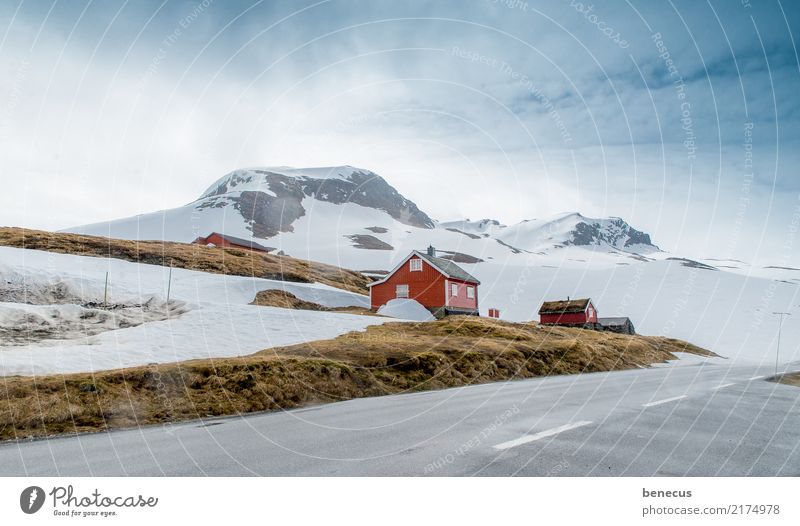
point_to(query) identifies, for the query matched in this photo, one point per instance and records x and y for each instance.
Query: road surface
(689, 420)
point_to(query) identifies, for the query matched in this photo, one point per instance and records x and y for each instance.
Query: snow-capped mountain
(559, 231)
(576, 230)
(261, 203)
(352, 218)
(271, 199)
(319, 212)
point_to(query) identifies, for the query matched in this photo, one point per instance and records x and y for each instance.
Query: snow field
(215, 320)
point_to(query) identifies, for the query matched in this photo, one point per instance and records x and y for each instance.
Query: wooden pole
(105, 292)
(169, 286)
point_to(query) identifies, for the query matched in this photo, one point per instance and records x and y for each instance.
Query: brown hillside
(231, 261)
(392, 358)
(787, 378)
(287, 300)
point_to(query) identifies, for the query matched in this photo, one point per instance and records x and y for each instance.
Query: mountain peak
(270, 199)
(253, 178)
(359, 205)
(575, 229)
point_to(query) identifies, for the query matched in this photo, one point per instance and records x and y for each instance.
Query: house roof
(448, 268)
(564, 306)
(445, 266)
(242, 242)
(621, 320)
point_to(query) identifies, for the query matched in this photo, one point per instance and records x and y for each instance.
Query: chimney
(431, 251)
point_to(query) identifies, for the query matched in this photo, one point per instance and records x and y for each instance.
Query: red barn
(568, 312)
(223, 240)
(437, 284)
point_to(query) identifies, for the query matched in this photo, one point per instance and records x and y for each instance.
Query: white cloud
(503, 113)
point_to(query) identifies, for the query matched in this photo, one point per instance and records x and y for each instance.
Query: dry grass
(287, 300)
(217, 260)
(788, 379)
(391, 358)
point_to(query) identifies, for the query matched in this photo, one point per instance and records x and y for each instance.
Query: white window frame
(416, 265)
(399, 288)
(454, 290)
(470, 292)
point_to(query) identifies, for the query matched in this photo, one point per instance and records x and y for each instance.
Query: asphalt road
(701, 420)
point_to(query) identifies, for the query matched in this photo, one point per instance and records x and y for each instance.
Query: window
(471, 293)
(454, 289)
(401, 291)
(416, 265)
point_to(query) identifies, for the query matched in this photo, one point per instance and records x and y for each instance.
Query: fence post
(105, 292)
(169, 286)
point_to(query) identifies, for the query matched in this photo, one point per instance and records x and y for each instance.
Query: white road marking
(723, 386)
(756, 378)
(664, 401)
(543, 434)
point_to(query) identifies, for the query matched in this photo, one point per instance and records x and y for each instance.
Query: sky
(679, 116)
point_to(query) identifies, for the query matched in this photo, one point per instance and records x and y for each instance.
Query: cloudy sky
(679, 116)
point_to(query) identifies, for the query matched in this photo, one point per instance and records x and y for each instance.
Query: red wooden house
(576, 313)
(224, 240)
(437, 284)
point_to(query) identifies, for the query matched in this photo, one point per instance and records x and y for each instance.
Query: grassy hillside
(788, 379)
(392, 358)
(287, 300)
(194, 257)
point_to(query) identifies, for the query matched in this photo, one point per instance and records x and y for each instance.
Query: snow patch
(405, 309)
(684, 359)
(23, 324)
(72, 332)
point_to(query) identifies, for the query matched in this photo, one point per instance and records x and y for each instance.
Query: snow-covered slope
(352, 218)
(263, 202)
(214, 318)
(726, 312)
(480, 228)
(573, 229)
